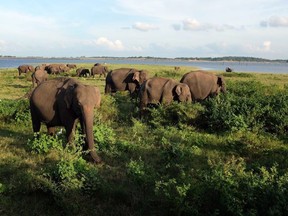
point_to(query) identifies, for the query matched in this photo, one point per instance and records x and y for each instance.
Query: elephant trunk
(88, 130)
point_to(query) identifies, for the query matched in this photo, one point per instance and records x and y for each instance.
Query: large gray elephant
(39, 76)
(125, 79)
(25, 69)
(163, 90)
(99, 69)
(203, 84)
(61, 102)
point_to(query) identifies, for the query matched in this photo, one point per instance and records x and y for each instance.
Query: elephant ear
(136, 76)
(178, 90)
(68, 98)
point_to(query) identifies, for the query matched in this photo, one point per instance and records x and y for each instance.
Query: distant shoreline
(190, 59)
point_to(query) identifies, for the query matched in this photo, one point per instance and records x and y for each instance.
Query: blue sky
(159, 28)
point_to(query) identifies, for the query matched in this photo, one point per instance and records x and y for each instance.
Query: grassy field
(224, 156)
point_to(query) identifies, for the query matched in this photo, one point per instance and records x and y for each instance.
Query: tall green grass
(224, 156)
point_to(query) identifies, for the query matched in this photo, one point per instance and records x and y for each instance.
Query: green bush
(108, 111)
(263, 191)
(104, 137)
(69, 171)
(136, 170)
(175, 114)
(15, 110)
(42, 143)
(247, 106)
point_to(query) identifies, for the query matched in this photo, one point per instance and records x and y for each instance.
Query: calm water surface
(262, 67)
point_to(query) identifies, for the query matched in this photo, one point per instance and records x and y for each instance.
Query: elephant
(203, 84)
(82, 72)
(99, 69)
(71, 66)
(25, 69)
(228, 69)
(162, 90)
(56, 68)
(38, 77)
(177, 68)
(40, 67)
(62, 102)
(123, 79)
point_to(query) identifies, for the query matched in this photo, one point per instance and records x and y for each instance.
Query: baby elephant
(39, 76)
(163, 90)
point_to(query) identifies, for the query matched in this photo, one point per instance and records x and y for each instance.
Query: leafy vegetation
(224, 156)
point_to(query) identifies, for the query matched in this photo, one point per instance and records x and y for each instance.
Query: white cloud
(276, 21)
(144, 26)
(262, 48)
(195, 25)
(113, 45)
(192, 24)
(266, 45)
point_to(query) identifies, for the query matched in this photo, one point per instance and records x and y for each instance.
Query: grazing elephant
(38, 77)
(25, 69)
(40, 67)
(99, 69)
(163, 90)
(82, 72)
(123, 79)
(228, 69)
(61, 102)
(176, 68)
(71, 66)
(56, 68)
(203, 84)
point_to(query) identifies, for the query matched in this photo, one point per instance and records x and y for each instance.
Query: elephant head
(182, 93)
(82, 100)
(221, 84)
(140, 76)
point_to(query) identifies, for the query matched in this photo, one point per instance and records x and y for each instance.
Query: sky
(156, 28)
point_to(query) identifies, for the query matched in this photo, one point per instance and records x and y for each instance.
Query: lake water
(261, 67)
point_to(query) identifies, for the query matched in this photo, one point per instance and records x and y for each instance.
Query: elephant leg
(36, 126)
(107, 88)
(36, 123)
(70, 128)
(51, 130)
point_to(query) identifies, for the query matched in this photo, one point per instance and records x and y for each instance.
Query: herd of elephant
(40, 73)
(62, 101)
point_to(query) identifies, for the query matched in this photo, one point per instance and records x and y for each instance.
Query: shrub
(104, 137)
(107, 111)
(275, 116)
(136, 170)
(127, 107)
(247, 106)
(42, 143)
(174, 114)
(69, 170)
(15, 110)
(263, 191)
